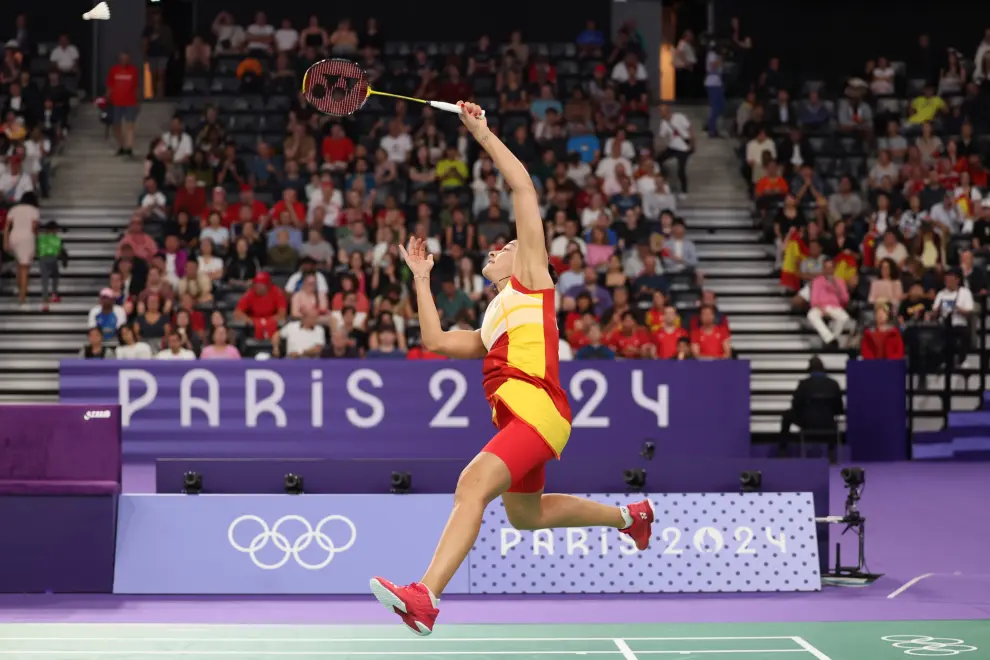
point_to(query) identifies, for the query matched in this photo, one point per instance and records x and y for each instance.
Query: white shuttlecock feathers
(100, 12)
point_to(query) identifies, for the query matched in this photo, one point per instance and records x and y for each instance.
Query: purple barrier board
(373, 409)
(57, 543)
(53, 444)
(332, 544)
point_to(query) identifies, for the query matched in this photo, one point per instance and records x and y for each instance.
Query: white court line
(377, 640)
(627, 653)
(807, 646)
(907, 585)
(98, 654)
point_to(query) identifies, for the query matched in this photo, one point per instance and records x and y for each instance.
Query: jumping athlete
(519, 342)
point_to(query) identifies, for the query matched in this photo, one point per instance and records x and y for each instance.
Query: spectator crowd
(266, 228)
(38, 81)
(874, 194)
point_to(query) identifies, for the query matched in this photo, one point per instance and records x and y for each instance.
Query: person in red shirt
(578, 337)
(338, 149)
(977, 173)
(629, 339)
(123, 82)
(263, 306)
(295, 208)
(883, 341)
(258, 208)
(218, 204)
(655, 314)
(419, 353)
(667, 336)
(710, 340)
(772, 184)
(454, 87)
(190, 198)
(708, 298)
(582, 305)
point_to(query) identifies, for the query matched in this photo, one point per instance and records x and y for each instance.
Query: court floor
(886, 640)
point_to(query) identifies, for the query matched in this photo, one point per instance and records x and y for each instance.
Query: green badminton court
(891, 640)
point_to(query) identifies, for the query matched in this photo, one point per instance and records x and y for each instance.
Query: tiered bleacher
(283, 224)
(874, 190)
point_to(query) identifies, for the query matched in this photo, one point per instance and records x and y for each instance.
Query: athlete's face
(499, 266)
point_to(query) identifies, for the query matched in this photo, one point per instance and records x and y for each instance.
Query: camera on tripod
(854, 479)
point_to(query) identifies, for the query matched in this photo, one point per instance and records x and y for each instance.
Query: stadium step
(89, 151)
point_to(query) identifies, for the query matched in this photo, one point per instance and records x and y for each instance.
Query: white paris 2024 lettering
(448, 387)
(577, 541)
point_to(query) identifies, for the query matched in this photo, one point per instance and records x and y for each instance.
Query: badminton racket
(340, 87)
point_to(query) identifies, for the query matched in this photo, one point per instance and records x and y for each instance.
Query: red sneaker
(641, 528)
(56, 298)
(414, 604)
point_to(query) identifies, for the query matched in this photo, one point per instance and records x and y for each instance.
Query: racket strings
(336, 87)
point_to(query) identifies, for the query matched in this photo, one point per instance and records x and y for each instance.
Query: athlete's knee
(479, 481)
(525, 519)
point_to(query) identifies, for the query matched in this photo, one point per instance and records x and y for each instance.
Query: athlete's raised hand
(472, 116)
(419, 262)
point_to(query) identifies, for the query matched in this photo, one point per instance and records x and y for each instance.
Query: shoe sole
(395, 605)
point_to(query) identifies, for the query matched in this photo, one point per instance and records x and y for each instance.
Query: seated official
(816, 403)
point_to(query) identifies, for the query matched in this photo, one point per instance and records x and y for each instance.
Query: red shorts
(522, 450)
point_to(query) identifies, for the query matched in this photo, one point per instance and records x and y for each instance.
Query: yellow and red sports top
(522, 369)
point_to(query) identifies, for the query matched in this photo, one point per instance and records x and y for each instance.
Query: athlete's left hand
(416, 257)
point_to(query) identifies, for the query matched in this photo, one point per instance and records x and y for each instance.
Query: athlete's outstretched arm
(531, 261)
(457, 344)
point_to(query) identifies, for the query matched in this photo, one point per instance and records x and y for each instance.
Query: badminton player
(518, 341)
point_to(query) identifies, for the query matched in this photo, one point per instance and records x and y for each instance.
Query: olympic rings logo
(928, 646)
(291, 550)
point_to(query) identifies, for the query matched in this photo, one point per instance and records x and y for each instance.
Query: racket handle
(449, 107)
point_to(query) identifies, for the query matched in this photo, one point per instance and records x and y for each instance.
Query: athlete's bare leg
(485, 478)
(539, 511)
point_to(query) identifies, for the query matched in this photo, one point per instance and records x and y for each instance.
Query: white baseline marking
(907, 585)
(627, 653)
(100, 654)
(807, 646)
(376, 640)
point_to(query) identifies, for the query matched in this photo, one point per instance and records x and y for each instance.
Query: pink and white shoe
(414, 604)
(641, 528)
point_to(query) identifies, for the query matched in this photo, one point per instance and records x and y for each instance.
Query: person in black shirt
(981, 230)
(974, 279)
(241, 266)
(915, 305)
(755, 124)
(94, 348)
(683, 350)
(373, 37)
(521, 146)
(816, 403)
(340, 346)
(232, 170)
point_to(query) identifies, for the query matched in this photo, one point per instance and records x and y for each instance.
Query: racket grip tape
(449, 107)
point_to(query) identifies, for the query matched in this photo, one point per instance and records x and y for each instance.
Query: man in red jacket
(123, 83)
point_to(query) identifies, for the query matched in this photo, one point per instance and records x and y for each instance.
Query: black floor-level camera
(293, 484)
(192, 483)
(635, 479)
(751, 481)
(401, 482)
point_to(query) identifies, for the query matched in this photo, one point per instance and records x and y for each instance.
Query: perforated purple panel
(703, 542)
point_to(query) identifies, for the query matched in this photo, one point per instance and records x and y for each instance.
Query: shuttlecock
(100, 12)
